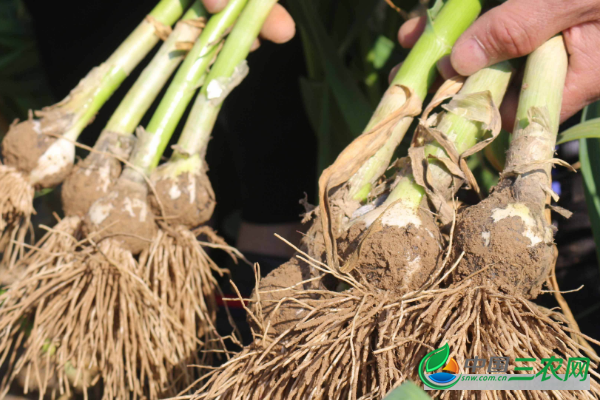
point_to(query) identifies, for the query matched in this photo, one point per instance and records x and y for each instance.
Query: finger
(582, 85)
(411, 30)
(515, 29)
(255, 44)
(214, 6)
(510, 101)
(445, 68)
(508, 108)
(393, 72)
(437, 83)
(279, 26)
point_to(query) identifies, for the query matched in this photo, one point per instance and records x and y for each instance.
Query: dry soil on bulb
(397, 252)
(186, 200)
(93, 177)
(28, 140)
(507, 244)
(123, 216)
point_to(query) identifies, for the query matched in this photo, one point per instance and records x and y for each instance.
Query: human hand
(278, 28)
(515, 29)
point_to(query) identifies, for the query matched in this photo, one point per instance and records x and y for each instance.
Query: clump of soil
(26, 141)
(55, 179)
(24, 144)
(509, 241)
(340, 212)
(397, 253)
(91, 179)
(280, 283)
(27, 147)
(313, 241)
(186, 200)
(123, 216)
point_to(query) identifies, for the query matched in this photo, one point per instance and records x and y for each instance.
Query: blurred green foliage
(407, 391)
(588, 134)
(350, 47)
(23, 84)
(587, 129)
(589, 156)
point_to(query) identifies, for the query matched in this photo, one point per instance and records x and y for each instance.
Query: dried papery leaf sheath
(351, 159)
(469, 117)
(418, 71)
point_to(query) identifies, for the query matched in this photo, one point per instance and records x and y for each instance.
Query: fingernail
(445, 68)
(469, 57)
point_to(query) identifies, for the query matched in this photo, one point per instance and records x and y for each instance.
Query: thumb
(582, 85)
(214, 6)
(511, 30)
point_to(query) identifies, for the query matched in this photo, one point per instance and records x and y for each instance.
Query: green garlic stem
(361, 183)
(543, 83)
(419, 69)
(181, 90)
(151, 81)
(94, 90)
(230, 63)
(417, 73)
(197, 130)
(463, 132)
(542, 90)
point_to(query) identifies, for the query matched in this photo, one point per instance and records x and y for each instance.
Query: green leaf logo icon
(437, 358)
(431, 362)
